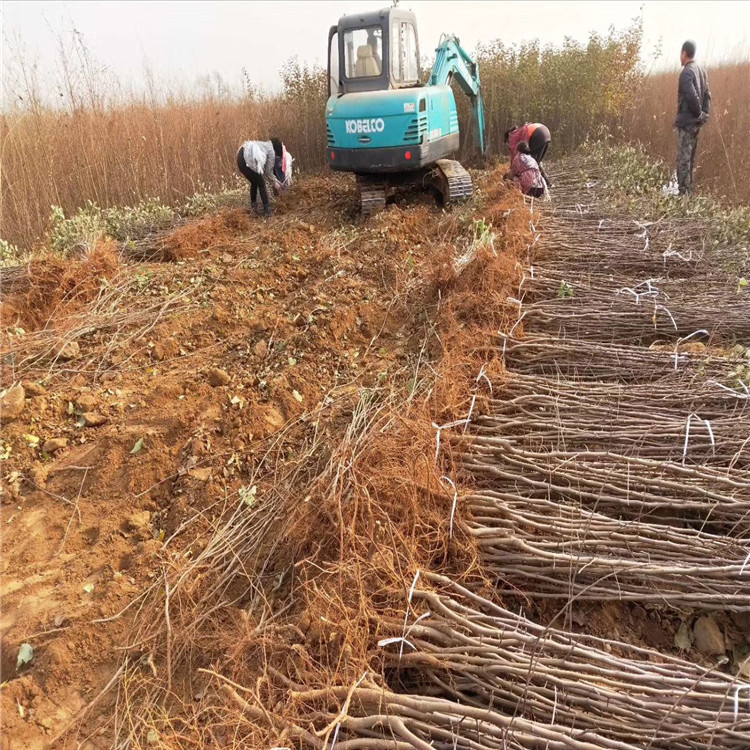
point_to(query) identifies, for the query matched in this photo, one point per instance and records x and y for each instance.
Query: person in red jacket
(537, 136)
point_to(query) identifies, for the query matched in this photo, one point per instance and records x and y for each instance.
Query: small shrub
(83, 229)
(204, 201)
(629, 168)
(136, 221)
(638, 180)
(10, 255)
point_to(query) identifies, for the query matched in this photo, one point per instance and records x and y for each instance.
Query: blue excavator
(383, 123)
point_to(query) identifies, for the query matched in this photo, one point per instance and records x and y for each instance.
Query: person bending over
(256, 160)
(538, 138)
(526, 172)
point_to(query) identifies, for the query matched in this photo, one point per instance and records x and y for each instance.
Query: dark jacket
(693, 96)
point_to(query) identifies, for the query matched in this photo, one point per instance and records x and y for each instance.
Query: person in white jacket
(256, 160)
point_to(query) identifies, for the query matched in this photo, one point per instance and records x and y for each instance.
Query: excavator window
(333, 63)
(363, 52)
(404, 52)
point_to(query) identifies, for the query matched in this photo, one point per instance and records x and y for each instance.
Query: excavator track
(453, 181)
(372, 194)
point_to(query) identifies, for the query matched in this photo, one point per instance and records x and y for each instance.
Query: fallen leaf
(683, 638)
(25, 655)
(137, 446)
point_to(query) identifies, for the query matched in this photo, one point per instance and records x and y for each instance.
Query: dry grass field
(114, 149)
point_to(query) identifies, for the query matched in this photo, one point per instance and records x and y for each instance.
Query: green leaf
(565, 291)
(137, 446)
(25, 655)
(248, 495)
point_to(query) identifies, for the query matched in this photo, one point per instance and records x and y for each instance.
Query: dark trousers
(539, 143)
(687, 142)
(256, 181)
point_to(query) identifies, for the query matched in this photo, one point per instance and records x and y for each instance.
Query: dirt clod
(202, 474)
(709, 638)
(273, 418)
(34, 389)
(38, 475)
(69, 351)
(93, 419)
(139, 521)
(218, 377)
(166, 349)
(54, 444)
(261, 348)
(12, 404)
(87, 402)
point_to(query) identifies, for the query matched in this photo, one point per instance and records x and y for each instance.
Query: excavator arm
(452, 61)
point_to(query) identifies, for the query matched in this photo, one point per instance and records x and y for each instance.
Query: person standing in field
(257, 161)
(538, 138)
(693, 107)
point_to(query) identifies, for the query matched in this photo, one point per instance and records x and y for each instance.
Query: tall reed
(99, 142)
(723, 159)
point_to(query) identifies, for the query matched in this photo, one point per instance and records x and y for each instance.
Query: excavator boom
(453, 62)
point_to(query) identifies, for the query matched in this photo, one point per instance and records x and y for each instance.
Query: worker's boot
(267, 211)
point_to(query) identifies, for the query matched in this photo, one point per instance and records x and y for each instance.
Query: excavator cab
(383, 122)
(373, 52)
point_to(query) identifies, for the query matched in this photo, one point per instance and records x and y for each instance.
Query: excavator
(382, 122)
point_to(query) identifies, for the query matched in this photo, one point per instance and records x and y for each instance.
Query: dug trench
(428, 480)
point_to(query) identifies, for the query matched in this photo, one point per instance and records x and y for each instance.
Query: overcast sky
(183, 40)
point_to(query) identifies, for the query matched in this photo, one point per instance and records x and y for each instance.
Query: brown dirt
(57, 287)
(309, 303)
